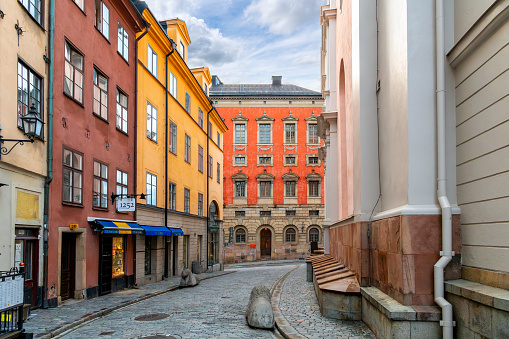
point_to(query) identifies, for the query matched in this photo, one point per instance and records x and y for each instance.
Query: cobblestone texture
(300, 308)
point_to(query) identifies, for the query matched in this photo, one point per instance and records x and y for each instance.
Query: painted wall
(466, 13)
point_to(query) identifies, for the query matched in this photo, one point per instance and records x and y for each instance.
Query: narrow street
(181, 313)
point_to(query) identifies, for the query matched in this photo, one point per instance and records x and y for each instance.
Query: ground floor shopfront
(271, 232)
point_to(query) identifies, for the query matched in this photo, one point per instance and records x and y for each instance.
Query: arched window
(290, 235)
(240, 235)
(314, 234)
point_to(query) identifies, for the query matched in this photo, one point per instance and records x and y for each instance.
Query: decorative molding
(265, 175)
(264, 117)
(312, 117)
(290, 176)
(290, 148)
(240, 176)
(261, 148)
(238, 148)
(313, 175)
(240, 117)
(312, 148)
(290, 117)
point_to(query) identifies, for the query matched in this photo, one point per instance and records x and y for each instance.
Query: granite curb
(283, 326)
(55, 332)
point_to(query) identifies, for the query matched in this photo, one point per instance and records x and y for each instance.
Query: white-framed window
(290, 160)
(200, 204)
(121, 182)
(102, 18)
(290, 188)
(240, 133)
(100, 188)
(240, 188)
(123, 42)
(100, 95)
(73, 78)
(72, 176)
(34, 8)
(121, 111)
(265, 188)
(187, 200)
(29, 92)
(79, 3)
(312, 160)
(151, 122)
(264, 160)
(290, 133)
(172, 137)
(173, 85)
(152, 61)
(151, 189)
(265, 133)
(313, 137)
(314, 188)
(240, 160)
(172, 196)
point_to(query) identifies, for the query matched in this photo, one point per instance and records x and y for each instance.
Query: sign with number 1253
(126, 205)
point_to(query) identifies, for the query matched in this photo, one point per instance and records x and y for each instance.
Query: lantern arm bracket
(4, 150)
(115, 196)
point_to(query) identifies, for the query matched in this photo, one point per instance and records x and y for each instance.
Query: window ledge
(97, 208)
(73, 99)
(72, 204)
(101, 118)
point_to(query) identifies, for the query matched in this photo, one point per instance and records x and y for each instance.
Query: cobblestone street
(216, 309)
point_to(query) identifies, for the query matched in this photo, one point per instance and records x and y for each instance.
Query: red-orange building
(273, 178)
(93, 150)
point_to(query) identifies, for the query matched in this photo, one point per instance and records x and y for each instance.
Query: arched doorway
(265, 243)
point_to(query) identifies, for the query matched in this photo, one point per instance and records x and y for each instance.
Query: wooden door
(265, 243)
(67, 272)
(105, 264)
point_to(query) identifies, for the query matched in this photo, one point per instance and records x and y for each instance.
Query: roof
(260, 90)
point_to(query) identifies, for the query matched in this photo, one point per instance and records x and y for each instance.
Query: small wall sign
(73, 226)
(252, 245)
(126, 204)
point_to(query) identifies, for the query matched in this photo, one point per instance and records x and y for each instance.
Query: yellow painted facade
(152, 90)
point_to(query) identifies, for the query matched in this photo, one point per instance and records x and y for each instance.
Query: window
(313, 160)
(206, 89)
(240, 188)
(80, 4)
(200, 117)
(314, 188)
(172, 137)
(72, 181)
(102, 18)
(73, 78)
(314, 213)
(182, 50)
(100, 190)
(218, 173)
(188, 103)
(123, 42)
(290, 133)
(34, 8)
(290, 213)
(265, 160)
(187, 150)
(172, 196)
(314, 235)
(152, 61)
(209, 169)
(209, 133)
(200, 204)
(121, 111)
(240, 236)
(265, 134)
(290, 188)
(290, 160)
(29, 92)
(265, 213)
(265, 189)
(121, 183)
(187, 200)
(151, 189)
(313, 134)
(240, 213)
(218, 139)
(290, 234)
(173, 85)
(148, 254)
(100, 95)
(118, 257)
(240, 160)
(240, 133)
(151, 122)
(200, 158)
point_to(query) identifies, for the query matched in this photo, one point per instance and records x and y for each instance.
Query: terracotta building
(273, 187)
(91, 246)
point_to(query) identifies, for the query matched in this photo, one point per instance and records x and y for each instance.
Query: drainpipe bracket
(447, 253)
(447, 323)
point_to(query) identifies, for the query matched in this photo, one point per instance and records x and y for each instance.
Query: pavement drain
(152, 317)
(107, 333)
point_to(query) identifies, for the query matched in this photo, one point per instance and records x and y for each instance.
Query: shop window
(240, 236)
(290, 234)
(118, 256)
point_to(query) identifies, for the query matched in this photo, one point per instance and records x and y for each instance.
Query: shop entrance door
(105, 264)
(67, 271)
(27, 252)
(265, 243)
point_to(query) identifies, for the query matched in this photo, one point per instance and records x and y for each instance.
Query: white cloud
(283, 17)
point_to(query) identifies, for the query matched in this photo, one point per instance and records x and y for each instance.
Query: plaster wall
(466, 13)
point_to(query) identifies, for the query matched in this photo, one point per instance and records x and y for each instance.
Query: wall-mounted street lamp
(115, 196)
(303, 227)
(32, 127)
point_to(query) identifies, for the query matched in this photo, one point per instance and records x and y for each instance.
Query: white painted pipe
(446, 253)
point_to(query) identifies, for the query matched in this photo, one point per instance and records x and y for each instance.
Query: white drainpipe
(446, 253)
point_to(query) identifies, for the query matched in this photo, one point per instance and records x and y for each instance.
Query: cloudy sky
(248, 41)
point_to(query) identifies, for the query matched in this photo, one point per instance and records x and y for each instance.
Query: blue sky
(248, 41)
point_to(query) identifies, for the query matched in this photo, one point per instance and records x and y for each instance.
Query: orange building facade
(273, 178)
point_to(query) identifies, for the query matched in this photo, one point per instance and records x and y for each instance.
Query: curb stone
(59, 330)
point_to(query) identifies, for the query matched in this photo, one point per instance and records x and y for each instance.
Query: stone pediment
(240, 117)
(290, 176)
(264, 117)
(290, 117)
(312, 117)
(240, 176)
(265, 176)
(313, 175)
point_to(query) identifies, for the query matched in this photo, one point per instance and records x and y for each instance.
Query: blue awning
(176, 231)
(156, 230)
(117, 227)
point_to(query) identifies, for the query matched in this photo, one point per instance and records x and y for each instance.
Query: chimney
(276, 80)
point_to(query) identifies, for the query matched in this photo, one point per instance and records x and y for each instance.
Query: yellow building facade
(174, 118)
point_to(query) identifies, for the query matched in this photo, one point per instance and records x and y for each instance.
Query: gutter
(49, 177)
(208, 179)
(446, 254)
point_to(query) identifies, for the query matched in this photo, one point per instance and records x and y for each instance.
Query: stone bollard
(259, 310)
(310, 272)
(188, 279)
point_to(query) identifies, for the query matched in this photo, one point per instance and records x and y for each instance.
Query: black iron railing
(11, 301)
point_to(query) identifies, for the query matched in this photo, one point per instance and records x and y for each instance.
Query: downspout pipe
(446, 253)
(49, 177)
(208, 179)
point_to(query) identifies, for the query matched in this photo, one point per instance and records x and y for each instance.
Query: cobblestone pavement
(42, 321)
(300, 308)
(213, 309)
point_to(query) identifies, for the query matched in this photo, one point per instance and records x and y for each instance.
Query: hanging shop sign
(126, 204)
(213, 229)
